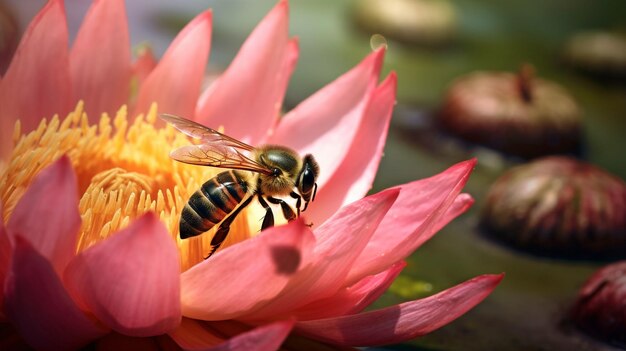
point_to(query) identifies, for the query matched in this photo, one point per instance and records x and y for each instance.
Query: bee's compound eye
(276, 172)
(307, 180)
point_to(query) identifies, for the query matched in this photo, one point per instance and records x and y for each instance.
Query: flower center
(112, 197)
(123, 171)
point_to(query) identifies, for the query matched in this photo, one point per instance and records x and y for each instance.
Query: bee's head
(284, 164)
(307, 179)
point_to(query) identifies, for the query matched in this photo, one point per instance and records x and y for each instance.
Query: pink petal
(411, 221)
(192, 334)
(353, 299)
(6, 253)
(327, 123)
(340, 240)
(47, 214)
(246, 99)
(246, 276)
(355, 174)
(198, 335)
(130, 281)
(175, 82)
(264, 338)
(402, 322)
(37, 83)
(461, 204)
(144, 65)
(100, 59)
(40, 308)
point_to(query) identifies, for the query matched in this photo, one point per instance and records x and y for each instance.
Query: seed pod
(600, 53)
(422, 22)
(518, 114)
(600, 309)
(561, 207)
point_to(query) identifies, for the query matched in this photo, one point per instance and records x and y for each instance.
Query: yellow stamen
(123, 171)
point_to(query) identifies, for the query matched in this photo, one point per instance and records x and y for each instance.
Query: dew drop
(377, 41)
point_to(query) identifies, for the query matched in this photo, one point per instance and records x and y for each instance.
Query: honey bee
(272, 171)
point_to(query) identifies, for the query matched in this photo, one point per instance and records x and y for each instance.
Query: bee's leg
(268, 220)
(287, 211)
(224, 228)
(306, 205)
(298, 198)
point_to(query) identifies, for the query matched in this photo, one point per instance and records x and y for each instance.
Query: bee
(265, 173)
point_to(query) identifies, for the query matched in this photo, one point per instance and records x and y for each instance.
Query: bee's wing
(216, 150)
(216, 156)
(203, 133)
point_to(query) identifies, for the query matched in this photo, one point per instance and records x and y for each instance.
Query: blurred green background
(528, 310)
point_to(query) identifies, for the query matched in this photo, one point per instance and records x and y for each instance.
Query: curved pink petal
(246, 99)
(327, 123)
(402, 322)
(264, 338)
(47, 214)
(175, 82)
(100, 59)
(353, 299)
(199, 335)
(461, 204)
(412, 219)
(40, 308)
(223, 288)
(340, 241)
(192, 334)
(355, 175)
(37, 83)
(131, 280)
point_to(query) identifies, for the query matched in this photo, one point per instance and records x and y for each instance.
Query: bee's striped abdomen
(215, 199)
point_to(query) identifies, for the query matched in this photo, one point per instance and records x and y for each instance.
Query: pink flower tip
(147, 218)
(207, 15)
(283, 4)
(49, 5)
(495, 278)
(64, 162)
(381, 50)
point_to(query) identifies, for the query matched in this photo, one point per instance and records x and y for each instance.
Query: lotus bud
(559, 206)
(600, 309)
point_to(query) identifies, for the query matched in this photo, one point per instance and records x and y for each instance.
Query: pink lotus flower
(109, 268)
